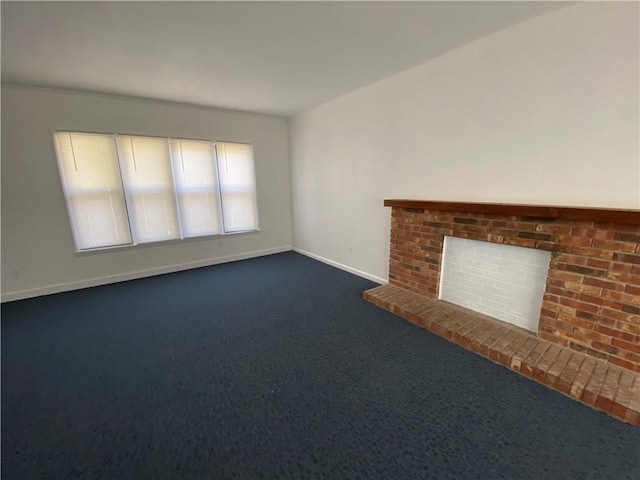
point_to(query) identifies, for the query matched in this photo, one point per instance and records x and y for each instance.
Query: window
(197, 187)
(146, 173)
(126, 189)
(88, 166)
(235, 164)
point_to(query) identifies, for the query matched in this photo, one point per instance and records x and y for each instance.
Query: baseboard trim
(122, 277)
(341, 266)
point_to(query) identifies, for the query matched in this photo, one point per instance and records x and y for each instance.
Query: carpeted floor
(274, 368)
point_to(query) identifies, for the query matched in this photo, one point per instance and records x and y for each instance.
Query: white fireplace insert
(503, 281)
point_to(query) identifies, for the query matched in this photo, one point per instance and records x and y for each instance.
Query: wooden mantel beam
(609, 215)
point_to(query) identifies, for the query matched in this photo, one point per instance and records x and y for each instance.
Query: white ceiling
(270, 57)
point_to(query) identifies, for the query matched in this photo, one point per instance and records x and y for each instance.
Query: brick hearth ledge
(596, 383)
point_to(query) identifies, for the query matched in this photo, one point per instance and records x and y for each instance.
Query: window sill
(177, 241)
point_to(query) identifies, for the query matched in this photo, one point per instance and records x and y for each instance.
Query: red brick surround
(592, 298)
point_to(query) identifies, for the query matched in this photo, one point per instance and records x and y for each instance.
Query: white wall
(37, 247)
(545, 112)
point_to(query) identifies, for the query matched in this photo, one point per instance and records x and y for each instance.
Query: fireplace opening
(503, 281)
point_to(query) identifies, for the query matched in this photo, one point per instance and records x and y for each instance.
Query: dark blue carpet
(274, 368)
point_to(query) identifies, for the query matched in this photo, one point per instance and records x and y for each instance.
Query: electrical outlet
(350, 249)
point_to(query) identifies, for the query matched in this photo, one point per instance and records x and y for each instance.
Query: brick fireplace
(591, 302)
(587, 343)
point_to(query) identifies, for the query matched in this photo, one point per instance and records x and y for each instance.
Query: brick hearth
(601, 385)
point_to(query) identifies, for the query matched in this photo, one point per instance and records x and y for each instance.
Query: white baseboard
(121, 277)
(341, 266)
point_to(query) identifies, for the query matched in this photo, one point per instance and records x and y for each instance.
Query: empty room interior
(320, 240)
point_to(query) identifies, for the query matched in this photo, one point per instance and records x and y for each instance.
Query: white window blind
(88, 165)
(237, 186)
(128, 189)
(148, 180)
(196, 187)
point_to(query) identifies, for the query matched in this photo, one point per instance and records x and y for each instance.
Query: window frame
(172, 241)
